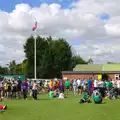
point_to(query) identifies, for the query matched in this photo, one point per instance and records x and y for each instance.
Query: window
(117, 76)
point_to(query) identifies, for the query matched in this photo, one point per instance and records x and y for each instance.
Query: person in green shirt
(109, 85)
(85, 98)
(51, 94)
(105, 84)
(67, 85)
(97, 99)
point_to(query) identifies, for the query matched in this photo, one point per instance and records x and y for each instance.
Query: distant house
(107, 71)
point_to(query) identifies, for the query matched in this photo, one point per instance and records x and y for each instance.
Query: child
(85, 98)
(97, 98)
(61, 96)
(51, 94)
(2, 107)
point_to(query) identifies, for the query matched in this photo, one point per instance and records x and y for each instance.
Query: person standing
(95, 84)
(79, 86)
(0, 91)
(34, 89)
(109, 87)
(89, 83)
(5, 89)
(67, 86)
(75, 88)
(118, 86)
(25, 88)
(19, 88)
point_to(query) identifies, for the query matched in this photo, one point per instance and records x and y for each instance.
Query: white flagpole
(35, 58)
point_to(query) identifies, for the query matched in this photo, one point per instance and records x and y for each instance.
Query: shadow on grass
(43, 99)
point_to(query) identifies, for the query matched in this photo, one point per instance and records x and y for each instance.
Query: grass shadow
(43, 99)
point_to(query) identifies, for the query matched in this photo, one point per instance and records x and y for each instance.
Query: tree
(3, 70)
(53, 56)
(90, 61)
(112, 63)
(12, 67)
(78, 60)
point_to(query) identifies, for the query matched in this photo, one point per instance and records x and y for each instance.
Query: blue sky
(9, 5)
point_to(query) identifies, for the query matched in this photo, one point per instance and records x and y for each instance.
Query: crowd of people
(17, 89)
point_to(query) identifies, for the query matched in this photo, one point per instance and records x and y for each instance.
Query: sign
(99, 77)
(21, 77)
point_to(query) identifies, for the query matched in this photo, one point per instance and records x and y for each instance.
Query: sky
(92, 27)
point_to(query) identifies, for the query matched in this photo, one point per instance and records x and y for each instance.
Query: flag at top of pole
(35, 26)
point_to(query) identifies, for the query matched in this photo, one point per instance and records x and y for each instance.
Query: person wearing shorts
(75, 88)
(79, 86)
(67, 85)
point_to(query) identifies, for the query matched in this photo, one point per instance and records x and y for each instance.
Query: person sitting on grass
(51, 94)
(61, 96)
(56, 93)
(85, 98)
(3, 107)
(97, 98)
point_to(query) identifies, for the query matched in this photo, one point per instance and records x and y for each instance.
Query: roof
(89, 72)
(88, 67)
(111, 67)
(96, 68)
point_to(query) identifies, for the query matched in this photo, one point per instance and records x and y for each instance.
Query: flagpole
(35, 57)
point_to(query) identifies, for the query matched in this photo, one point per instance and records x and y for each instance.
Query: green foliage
(53, 56)
(78, 60)
(90, 61)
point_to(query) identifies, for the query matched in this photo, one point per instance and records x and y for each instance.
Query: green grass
(68, 109)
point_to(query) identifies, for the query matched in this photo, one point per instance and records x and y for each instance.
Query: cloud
(94, 23)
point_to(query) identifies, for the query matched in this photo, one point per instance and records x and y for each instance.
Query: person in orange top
(51, 85)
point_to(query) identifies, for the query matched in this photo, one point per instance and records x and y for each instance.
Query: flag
(35, 26)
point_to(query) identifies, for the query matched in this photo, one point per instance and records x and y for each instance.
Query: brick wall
(72, 76)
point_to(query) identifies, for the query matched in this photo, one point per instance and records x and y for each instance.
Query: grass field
(68, 109)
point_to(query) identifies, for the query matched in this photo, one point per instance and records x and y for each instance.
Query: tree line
(53, 56)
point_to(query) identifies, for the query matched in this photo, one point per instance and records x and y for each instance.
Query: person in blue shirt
(89, 83)
(25, 88)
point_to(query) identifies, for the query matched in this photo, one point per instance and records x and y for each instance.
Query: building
(97, 71)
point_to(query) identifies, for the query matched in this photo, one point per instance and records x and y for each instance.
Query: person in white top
(95, 84)
(34, 90)
(75, 87)
(113, 82)
(79, 85)
(78, 82)
(101, 87)
(61, 96)
(118, 86)
(100, 84)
